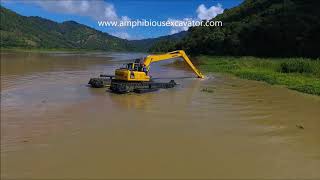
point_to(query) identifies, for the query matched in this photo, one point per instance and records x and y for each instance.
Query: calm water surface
(54, 126)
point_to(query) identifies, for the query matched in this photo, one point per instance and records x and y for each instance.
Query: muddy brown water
(54, 126)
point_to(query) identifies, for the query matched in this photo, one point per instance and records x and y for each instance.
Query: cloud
(176, 29)
(97, 9)
(122, 35)
(205, 13)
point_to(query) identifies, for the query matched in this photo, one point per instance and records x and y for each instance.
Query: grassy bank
(295, 73)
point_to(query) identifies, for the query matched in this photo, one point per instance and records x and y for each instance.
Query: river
(54, 126)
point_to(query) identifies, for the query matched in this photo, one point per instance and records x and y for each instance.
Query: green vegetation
(38, 33)
(295, 73)
(163, 46)
(265, 28)
(147, 44)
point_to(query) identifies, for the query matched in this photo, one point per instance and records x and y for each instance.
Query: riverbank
(41, 50)
(44, 50)
(299, 74)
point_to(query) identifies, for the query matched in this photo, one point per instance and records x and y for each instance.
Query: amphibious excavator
(135, 77)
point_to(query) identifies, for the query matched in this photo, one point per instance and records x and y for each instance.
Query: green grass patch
(295, 73)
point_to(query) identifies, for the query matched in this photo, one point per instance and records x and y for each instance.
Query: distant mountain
(151, 43)
(37, 32)
(258, 28)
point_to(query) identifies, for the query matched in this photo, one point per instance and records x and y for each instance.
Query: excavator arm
(174, 54)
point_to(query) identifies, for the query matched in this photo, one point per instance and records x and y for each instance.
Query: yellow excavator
(139, 71)
(134, 77)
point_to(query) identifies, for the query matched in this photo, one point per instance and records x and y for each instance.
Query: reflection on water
(54, 126)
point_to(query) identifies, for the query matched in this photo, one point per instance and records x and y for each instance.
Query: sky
(89, 12)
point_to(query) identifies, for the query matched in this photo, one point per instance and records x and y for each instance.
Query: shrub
(296, 66)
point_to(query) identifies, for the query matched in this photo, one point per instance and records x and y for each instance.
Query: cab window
(129, 66)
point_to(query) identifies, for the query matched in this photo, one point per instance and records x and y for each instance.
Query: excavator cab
(129, 66)
(132, 72)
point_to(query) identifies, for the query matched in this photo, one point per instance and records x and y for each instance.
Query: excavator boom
(139, 71)
(174, 54)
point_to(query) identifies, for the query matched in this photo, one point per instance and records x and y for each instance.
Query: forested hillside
(281, 28)
(152, 43)
(35, 32)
